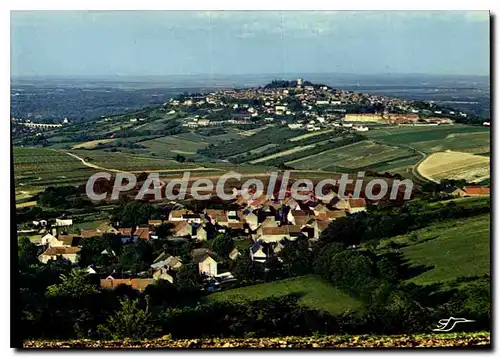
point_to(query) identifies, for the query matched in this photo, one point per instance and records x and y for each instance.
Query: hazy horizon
(104, 76)
(223, 43)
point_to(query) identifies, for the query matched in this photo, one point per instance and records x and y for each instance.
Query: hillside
(312, 290)
(449, 249)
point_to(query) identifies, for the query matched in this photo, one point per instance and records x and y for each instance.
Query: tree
(180, 158)
(222, 244)
(162, 291)
(342, 230)
(164, 230)
(188, 278)
(74, 285)
(136, 257)
(28, 252)
(56, 196)
(70, 305)
(129, 322)
(134, 213)
(243, 267)
(90, 252)
(297, 258)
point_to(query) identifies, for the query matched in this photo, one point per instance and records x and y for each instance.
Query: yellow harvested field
(25, 204)
(91, 144)
(455, 165)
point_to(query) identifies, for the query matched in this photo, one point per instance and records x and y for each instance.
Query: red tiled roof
(282, 230)
(301, 220)
(357, 203)
(297, 213)
(69, 240)
(237, 225)
(331, 214)
(53, 251)
(136, 283)
(179, 226)
(125, 231)
(142, 233)
(477, 190)
(179, 213)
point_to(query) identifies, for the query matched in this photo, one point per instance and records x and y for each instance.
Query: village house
(239, 228)
(46, 239)
(356, 205)
(177, 215)
(275, 234)
(363, 117)
(318, 209)
(475, 190)
(232, 216)
(216, 216)
(154, 223)
(201, 233)
(257, 253)
(164, 274)
(39, 223)
(207, 266)
(165, 267)
(141, 233)
(269, 221)
(192, 218)
(168, 261)
(330, 215)
(339, 203)
(455, 191)
(298, 217)
(65, 252)
(64, 241)
(252, 220)
(182, 229)
(90, 269)
(64, 222)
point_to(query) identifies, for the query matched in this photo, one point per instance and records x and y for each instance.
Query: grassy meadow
(315, 293)
(449, 249)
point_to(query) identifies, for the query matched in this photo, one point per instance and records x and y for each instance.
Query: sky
(145, 43)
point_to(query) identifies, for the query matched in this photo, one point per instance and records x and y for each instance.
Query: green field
(36, 168)
(360, 155)
(461, 138)
(170, 145)
(315, 293)
(453, 248)
(129, 161)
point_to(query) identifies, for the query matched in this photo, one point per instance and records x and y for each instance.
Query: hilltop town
(304, 105)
